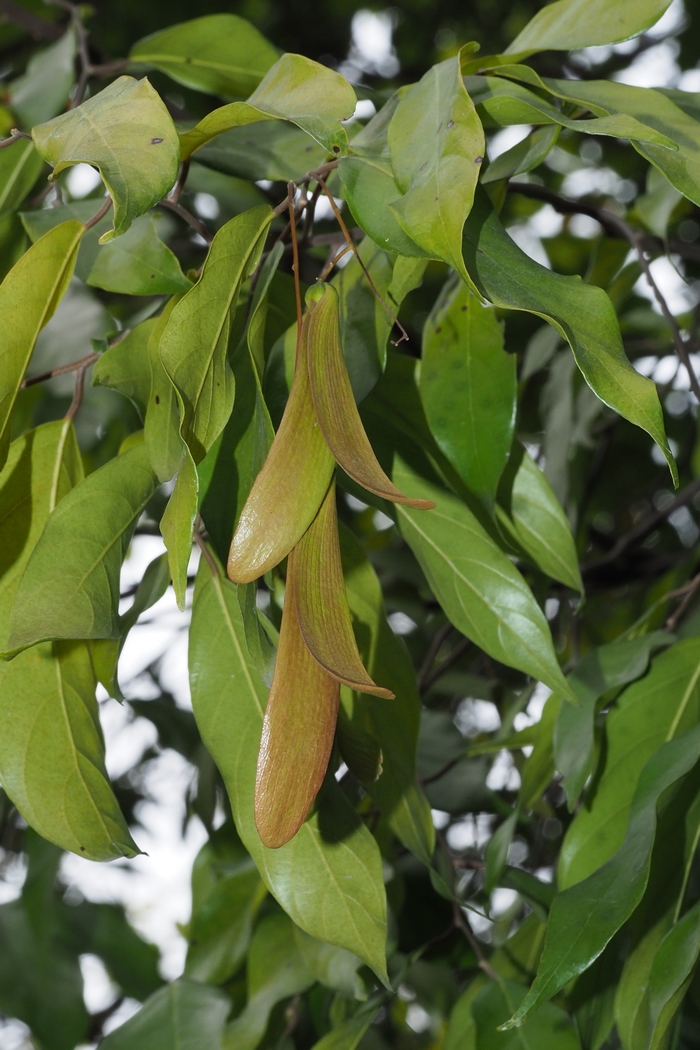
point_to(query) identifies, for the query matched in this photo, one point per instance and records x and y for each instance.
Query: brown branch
(688, 593)
(176, 191)
(189, 218)
(15, 136)
(644, 529)
(38, 28)
(78, 392)
(99, 214)
(74, 366)
(618, 227)
(201, 543)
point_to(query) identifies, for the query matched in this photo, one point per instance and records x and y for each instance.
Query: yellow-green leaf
(29, 296)
(125, 132)
(322, 604)
(569, 24)
(310, 95)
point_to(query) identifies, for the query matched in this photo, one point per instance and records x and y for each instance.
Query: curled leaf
(322, 604)
(290, 487)
(334, 403)
(298, 730)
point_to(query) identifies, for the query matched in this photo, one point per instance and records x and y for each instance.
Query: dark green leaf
(43, 90)
(185, 1015)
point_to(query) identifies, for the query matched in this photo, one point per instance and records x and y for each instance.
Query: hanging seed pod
(298, 730)
(322, 604)
(289, 489)
(334, 403)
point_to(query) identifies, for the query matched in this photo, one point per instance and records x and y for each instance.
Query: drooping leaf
(600, 670)
(52, 752)
(162, 422)
(585, 917)
(522, 157)
(291, 485)
(531, 515)
(477, 585)
(126, 367)
(568, 24)
(124, 131)
(42, 466)
(43, 90)
(312, 96)
(70, 587)
(334, 403)
(468, 387)
(29, 296)
(298, 728)
(177, 523)
(581, 313)
(340, 898)
(671, 973)
(221, 54)
(183, 1014)
(322, 604)
(20, 168)
(193, 347)
(663, 703)
(436, 143)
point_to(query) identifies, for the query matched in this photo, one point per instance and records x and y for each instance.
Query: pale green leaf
(585, 917)
(479, 588)
(581, 313)
(126, 367)
(20, 167)
(162, 423)
(310, 95)
(468, 388)
(43, 90)
(52, 752)
(183, 1015)
(532, 517)
(569, 24)
(125, 132)
(177, 523)
(70, 587)
(29, 296)
(328, 878)
(437, 147)
(270, 149)
(220, 54)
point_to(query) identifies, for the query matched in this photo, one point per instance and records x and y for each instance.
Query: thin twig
(435, 646)
(15, 136)
(99, 214)
(295, 264)
(449, 660)
(176, 191)
(351, 245)
(644, 529)
(202, 544)
(189, 218)
(78, 392)
(60, 370)
(37, 27)
(689, 592)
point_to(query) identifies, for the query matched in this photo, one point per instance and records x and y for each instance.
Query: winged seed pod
(298, 729)
(320, 421)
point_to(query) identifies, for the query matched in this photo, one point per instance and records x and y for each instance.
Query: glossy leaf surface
(329, 877)
(437, 147)
(568, 24)
(312, 96)
(127, 133)
(221, 54)
(581, 313)
(468, 387)
(323, 615)
(29, 296)
(70, 587)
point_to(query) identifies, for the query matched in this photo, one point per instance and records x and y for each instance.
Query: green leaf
(29, 296)
(608, 667)
(125, 132)
(131, 962)
(522, 157)
(276, 971)
(496, 853)
(162, 423)
(310, 95)
(480, 590)
(532, 517)
(177, 523)
(20, 167)
(43, 90)
(581, 313)
(220, 54)
(184, 1014)
(341, 896)
(393, 725)
(70, 587)
(42, 466)
(671, 972)
(226, 894)
(437, 148)
(568, 24)
(126, 367)
(551, 1027)
(270, 149)
(348, 1036)
(654, 709)
(369, 187)
(468, 388)
(194, 345)
(585, 917)
(52, 752)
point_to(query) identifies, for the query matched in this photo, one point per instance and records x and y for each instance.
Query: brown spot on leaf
(154, 142)
(157, 399)
(450, 124)
(478, 160)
